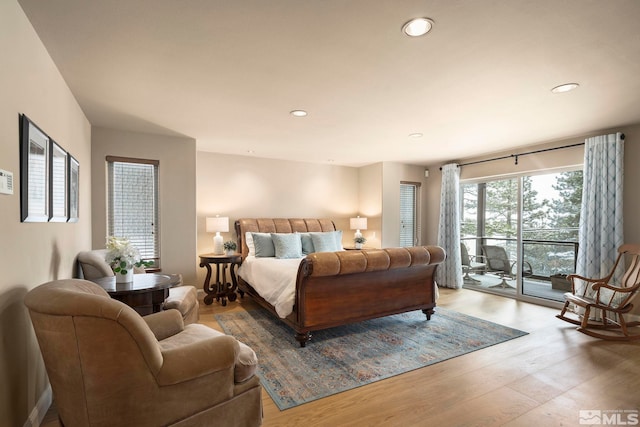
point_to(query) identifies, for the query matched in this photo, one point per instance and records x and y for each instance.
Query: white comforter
(274, 279)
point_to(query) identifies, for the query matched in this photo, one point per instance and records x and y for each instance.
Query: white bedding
(274, 279)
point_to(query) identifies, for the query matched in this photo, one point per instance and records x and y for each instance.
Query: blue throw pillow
(338, 235)
(307, 244)
(327, 242)
(287, 245)
(264, 245)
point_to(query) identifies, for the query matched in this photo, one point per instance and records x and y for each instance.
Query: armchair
(108, 366)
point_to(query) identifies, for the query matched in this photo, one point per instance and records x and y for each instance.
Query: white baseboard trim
(40, 410)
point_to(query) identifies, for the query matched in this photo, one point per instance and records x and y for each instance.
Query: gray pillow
(287, 245)
(264, 245)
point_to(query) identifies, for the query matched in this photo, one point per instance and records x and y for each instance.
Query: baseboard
(40, 410)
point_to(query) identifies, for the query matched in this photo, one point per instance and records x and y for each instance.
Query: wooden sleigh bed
(341, 287)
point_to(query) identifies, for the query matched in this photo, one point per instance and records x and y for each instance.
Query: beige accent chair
(108, 366)
(92, 265)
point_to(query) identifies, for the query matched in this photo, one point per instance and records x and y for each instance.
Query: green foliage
(552, 216)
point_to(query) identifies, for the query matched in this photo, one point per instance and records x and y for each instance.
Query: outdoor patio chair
(469, 264)
(599, 306)
(499, 263)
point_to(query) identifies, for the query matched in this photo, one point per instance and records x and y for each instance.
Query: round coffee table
(145, 294)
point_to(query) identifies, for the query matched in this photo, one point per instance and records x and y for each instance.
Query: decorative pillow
(264, 245)
(338, 235)
(307, 244)
(248, 237)
(287, 245)
(327, 242)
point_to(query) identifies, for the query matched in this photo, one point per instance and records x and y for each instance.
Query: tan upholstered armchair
(108, 366)
(92, 265)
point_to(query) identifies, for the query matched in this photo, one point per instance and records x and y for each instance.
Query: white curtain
(449, 273)
(601, 219)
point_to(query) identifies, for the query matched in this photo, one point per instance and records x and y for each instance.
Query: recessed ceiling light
(416, 135)
(298, 113)
(565, 87)
(417, 27)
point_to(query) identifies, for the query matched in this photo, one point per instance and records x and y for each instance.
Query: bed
(332, 288)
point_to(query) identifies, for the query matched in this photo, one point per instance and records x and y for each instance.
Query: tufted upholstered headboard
(278, 225)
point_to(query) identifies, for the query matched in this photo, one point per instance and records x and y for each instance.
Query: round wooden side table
(221, 290)
(145, 294)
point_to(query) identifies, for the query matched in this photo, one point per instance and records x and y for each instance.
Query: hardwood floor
(542, 379)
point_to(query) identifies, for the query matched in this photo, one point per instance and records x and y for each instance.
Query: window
(409, 222)
(535, 218)
(132, 204)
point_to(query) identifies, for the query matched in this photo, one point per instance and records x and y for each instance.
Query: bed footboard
(336, 288)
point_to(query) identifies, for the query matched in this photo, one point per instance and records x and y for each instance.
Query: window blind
(132, 204)
(409, 223)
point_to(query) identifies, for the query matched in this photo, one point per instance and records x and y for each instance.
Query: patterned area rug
(350, 356)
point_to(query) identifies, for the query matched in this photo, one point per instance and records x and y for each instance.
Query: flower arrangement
(359, 240)
(229, 246)
(122, 256)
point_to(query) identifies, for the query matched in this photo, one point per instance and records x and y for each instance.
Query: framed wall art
(73, 188)
(58, 182)
(34, 172)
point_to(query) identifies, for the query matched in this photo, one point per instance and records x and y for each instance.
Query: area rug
(345, 357)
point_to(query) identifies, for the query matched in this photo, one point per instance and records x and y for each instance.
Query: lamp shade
(358, 223)
(218, 224)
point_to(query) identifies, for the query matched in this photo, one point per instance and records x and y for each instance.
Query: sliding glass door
(524, 230)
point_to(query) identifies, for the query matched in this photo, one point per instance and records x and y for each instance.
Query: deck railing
(547, 257)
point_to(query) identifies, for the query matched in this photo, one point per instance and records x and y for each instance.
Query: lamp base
(218, 248)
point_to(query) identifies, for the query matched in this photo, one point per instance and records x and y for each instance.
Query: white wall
(32, 253)
(252, 187)
(177, 183)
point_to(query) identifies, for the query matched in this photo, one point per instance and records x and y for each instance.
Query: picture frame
(73, 188)
(34, 172)
(58, 183)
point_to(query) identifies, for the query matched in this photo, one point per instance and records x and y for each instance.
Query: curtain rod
(515, 156)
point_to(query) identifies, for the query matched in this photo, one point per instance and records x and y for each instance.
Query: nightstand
(221, 290)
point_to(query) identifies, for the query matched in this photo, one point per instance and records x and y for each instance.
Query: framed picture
(73, 198)
(58, 182)
(34, 172)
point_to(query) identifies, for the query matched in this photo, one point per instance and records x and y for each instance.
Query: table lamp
(217, 225)
(358, 224)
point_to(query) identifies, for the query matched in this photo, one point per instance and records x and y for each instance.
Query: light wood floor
(542, 379)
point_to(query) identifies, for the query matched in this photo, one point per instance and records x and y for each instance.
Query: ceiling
(227, 73)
